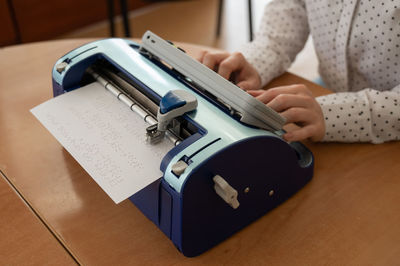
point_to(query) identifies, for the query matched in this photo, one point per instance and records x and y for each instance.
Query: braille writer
(357, 43)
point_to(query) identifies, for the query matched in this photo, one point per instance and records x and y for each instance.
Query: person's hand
(233, 67)
(297, 104)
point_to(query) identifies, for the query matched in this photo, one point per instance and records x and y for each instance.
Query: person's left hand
(298, 106)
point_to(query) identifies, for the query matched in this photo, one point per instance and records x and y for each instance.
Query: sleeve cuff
(346, 118)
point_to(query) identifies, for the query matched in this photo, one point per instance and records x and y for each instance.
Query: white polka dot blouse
(357, 44)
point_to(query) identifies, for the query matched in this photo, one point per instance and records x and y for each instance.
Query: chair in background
(125, 19)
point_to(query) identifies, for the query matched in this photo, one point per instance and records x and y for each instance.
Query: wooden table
(348, 214)
(24, 238)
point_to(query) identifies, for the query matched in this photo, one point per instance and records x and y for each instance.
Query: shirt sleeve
(282, 34)
(364, 116)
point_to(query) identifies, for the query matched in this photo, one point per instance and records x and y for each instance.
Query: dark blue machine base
(197, 218)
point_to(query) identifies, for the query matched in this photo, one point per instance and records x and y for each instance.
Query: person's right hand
(297, 104)
(233, 67)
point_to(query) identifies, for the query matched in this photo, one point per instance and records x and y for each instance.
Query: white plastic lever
(225, 191)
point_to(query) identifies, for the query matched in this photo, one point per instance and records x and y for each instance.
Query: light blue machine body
(219, 146)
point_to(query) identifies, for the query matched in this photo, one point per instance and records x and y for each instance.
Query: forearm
(364, 116)
(282, 34)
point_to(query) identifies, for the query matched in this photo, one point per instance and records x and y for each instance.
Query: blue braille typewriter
(229, 164)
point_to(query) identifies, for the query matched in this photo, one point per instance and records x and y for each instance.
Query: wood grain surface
(25, 240)
(349, 214)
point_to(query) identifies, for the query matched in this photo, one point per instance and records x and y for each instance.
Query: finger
(274, 92)
(286, 101)
(267, 96)
(291, 89)
(298, 115)
(255, 93)
(231, 64)
(212, 60)
(299, 134)
(199, 57)
(247, 85)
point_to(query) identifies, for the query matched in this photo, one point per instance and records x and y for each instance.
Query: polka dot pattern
(367, 115)
(357, 43)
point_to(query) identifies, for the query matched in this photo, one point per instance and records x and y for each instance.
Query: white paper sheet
(105, 137)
